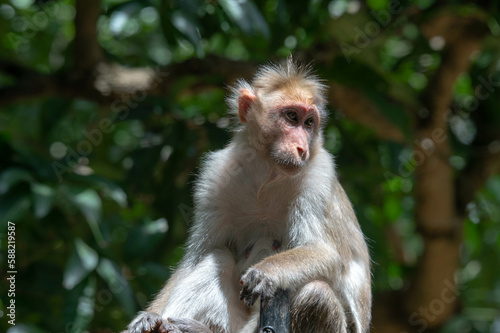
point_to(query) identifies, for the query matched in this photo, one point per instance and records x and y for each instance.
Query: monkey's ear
(245, 100)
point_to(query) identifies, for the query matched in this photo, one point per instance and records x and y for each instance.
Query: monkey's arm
(290, 269)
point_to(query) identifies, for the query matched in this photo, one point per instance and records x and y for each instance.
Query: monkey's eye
(292, 116)
(309, 122)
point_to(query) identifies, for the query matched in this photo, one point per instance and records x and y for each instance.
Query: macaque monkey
(269, 213)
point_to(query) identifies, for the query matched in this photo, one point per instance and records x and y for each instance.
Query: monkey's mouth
(288, 163)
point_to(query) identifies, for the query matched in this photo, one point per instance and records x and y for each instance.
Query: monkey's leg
(209, 293)
(316, 309)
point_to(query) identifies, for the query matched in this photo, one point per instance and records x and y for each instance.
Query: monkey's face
(295, 127)
(282, 125)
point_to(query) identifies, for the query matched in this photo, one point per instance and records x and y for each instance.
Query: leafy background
(106, 108)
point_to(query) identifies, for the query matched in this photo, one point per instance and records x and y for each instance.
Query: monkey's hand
(257, 283)
(149, 322)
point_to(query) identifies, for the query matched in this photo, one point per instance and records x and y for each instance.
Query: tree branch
(14, 69)
(357, 107)
(88, 52)
(112, 81)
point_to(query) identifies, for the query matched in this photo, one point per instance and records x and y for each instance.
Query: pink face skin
(293, 126)
(298, 123)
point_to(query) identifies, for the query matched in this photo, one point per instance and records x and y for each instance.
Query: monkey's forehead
(290, 96)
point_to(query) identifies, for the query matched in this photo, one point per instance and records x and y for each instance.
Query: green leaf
(118, 195)
(189, 6)
(118, 285)
(392, 208)
(80, 304)
(472, 238)
(493, 185)
(43, 199)
(11, 177)
(86, 304)
(14, 207)
(424, 4)
(82, 261)
(377, 4)
(89, 204)
(180, 23)
(143, 239)
(186, 25)
(107, 187)
(246, 16)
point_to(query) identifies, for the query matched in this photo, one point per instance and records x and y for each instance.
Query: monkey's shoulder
(231, 165)
(231, 170)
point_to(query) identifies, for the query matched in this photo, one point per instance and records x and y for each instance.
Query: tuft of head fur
(275, 76)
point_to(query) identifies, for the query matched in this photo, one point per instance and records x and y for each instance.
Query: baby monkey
(269, 213)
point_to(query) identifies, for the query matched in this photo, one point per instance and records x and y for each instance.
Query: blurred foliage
(101, 216)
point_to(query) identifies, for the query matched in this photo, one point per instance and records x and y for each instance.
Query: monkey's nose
(301, 152)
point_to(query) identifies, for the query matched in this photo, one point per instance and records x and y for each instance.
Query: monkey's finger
(169, 327)
(161, 327)
(245, 292)
(254, 298)
(152, 324)
(147, 322)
